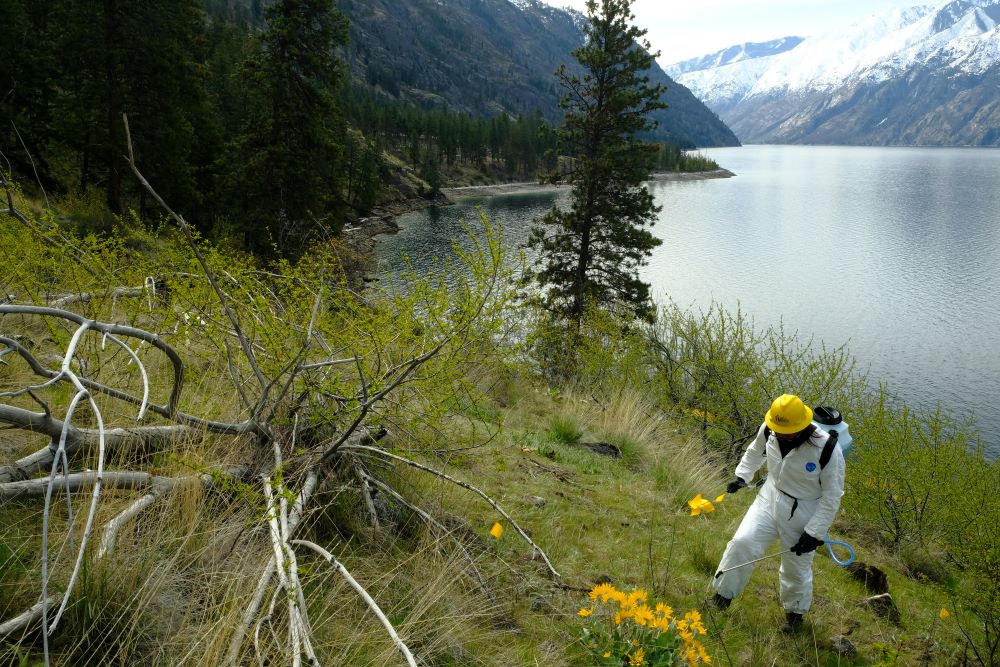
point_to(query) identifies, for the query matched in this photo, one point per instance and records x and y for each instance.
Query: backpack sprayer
(831, 421)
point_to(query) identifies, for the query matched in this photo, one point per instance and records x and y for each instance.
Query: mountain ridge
(418, 51)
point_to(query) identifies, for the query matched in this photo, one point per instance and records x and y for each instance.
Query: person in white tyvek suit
(796, 505)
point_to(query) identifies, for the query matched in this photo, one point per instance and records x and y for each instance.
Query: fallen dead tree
(306, 384)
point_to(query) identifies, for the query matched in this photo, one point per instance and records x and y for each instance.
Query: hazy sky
(682, 29)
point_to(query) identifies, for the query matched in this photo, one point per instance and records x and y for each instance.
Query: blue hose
(844, 545)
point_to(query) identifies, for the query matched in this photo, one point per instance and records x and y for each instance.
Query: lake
(894, 251)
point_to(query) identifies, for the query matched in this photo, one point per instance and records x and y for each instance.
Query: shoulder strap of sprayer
(827, 452)
(831, 442)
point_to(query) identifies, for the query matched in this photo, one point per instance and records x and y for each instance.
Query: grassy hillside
(492, 397)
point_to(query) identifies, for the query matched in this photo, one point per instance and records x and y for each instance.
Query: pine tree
(591, 253)
(289, 159)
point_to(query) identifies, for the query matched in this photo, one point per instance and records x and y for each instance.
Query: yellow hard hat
(788, 414)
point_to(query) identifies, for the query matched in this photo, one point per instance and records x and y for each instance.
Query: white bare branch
(23, 621)
(63, 300)
(364, 595)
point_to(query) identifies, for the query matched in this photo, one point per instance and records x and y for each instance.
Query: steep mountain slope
(492, 56)
(926, 75)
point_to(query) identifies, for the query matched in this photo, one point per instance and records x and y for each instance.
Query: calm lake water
(894, 251)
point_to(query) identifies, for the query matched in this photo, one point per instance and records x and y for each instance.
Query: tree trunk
(112, 37)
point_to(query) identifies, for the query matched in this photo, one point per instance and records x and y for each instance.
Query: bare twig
(80, 481)
(169, 411)
(253, 609)
(435, 523)
(464, 485)
(364, 595)
(63, 300)
(185, 229)
(113, 329)
(366, 493)
(32, 160)
(324, 364)
(24, 621)
(145, 439)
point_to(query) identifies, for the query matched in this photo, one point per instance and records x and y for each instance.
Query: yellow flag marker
(496, 531)
(718, 499)
(943, 614)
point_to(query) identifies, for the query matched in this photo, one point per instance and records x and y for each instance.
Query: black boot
(719, 602)
(792, 624)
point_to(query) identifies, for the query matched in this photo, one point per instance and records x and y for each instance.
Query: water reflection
(893, 250)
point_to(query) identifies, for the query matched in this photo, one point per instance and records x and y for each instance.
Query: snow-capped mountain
(926, 75)
(734, 54)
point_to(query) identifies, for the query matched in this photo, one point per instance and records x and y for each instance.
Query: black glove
(735, 485)
(806, 544)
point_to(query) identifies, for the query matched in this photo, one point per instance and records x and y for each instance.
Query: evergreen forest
(244, 116)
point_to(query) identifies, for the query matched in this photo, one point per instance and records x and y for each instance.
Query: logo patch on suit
(810, 467)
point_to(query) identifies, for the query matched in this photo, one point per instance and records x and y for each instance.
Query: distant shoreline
(363, 235)
(523, 188)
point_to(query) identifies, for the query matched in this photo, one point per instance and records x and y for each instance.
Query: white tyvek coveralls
(771, 516)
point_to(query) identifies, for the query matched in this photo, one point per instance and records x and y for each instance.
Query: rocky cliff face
(492, 56)
(928, 75)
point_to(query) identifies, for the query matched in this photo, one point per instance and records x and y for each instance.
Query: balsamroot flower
(628, 629)
(700, 505)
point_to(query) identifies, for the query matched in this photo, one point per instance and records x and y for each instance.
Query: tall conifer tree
(590, 254)
(290, 157)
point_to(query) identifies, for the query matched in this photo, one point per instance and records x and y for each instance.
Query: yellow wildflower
(943, 614)
(603, 591)
(693, 622)
(662, 623)
(644, 616)
(607, 654)
(637, 658)
(496, 531)
(699, 505)
(585, 612)
(719, 498)
(663, 609)
(703, 654)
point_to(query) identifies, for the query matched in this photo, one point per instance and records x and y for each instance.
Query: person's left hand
(806, 544)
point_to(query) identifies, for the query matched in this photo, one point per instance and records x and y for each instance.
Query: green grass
(602, 519)
(564, 430)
